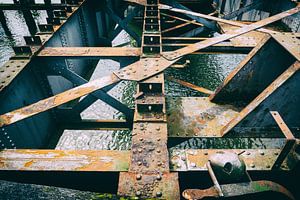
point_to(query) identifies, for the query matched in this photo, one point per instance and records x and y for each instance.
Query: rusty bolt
(158, 177)
(139, 163)
(158, 139)
(138, 177)
(158, 150)
(252, 165)
(141, 139)
(158, 128)
(193, 164)
(138, 193)
(158, 194)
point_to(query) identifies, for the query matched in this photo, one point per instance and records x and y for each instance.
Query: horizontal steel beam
(97, 52)
(6, 6)
(64, 160)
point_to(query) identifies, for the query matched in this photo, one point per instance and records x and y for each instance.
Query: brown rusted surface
(200, 194)
(157, 185)
(282, 125)
(250, 39)
(229, 35)
(149, 148)
(290, 42)
(260, 98)
(67, 160)
(89, 52)
(195, 160)
(190, 85)
(10, 70)
(239, 189)
(197, 117)
(56, 100)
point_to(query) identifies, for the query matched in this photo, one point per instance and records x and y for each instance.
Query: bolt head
(138, 193)
(158, 194)
(138, 177)
(158, 177)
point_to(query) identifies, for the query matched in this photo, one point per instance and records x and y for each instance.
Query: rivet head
(139, 163)
(138, 193)
(262, 153)
(140, 150)
(158, 128)
(158, 177)
(158, 150)
(252, 165)
(193, 164)
(138, 177)
(158, 194)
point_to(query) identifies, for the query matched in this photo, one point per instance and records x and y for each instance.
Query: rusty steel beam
(181, 19)
(57, 100)
(255, 159)
(237, 189)
(97, 52)
(290, 140)
(64, 160)
(190, 85)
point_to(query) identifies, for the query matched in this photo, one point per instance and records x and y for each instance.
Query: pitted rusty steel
(89, 52)
(149, 148)
(197, 117)
(255, 159)
(10, 70)
(238, 189)
(64, 160)
(145, 186)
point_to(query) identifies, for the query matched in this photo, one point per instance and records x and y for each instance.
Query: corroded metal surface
(88, 52)
(159, 186)
(68, 160)
(197, 117)
(195, 160)
(10, 70)
(238, 189)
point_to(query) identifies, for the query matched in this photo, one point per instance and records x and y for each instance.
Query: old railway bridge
(45, 86)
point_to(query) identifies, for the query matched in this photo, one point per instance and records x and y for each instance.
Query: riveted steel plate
(144, 68)
(10, 70)
(290, 42)
(197, 117)
(195, 160)
(161, 186)
(149, 148)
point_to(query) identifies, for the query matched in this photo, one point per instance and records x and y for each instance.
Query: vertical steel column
(149, 174)
(49, 12)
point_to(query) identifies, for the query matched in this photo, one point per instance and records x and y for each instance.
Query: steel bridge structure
(44, 87)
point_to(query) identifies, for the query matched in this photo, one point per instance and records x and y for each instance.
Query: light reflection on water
(205, 70)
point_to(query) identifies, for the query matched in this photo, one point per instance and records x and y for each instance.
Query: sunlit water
(204, 70)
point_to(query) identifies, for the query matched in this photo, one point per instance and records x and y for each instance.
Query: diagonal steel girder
(120, 22)
(99, 94)
(133, 72)
(125, 22)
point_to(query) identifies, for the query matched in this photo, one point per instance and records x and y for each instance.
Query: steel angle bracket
(238, 189)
